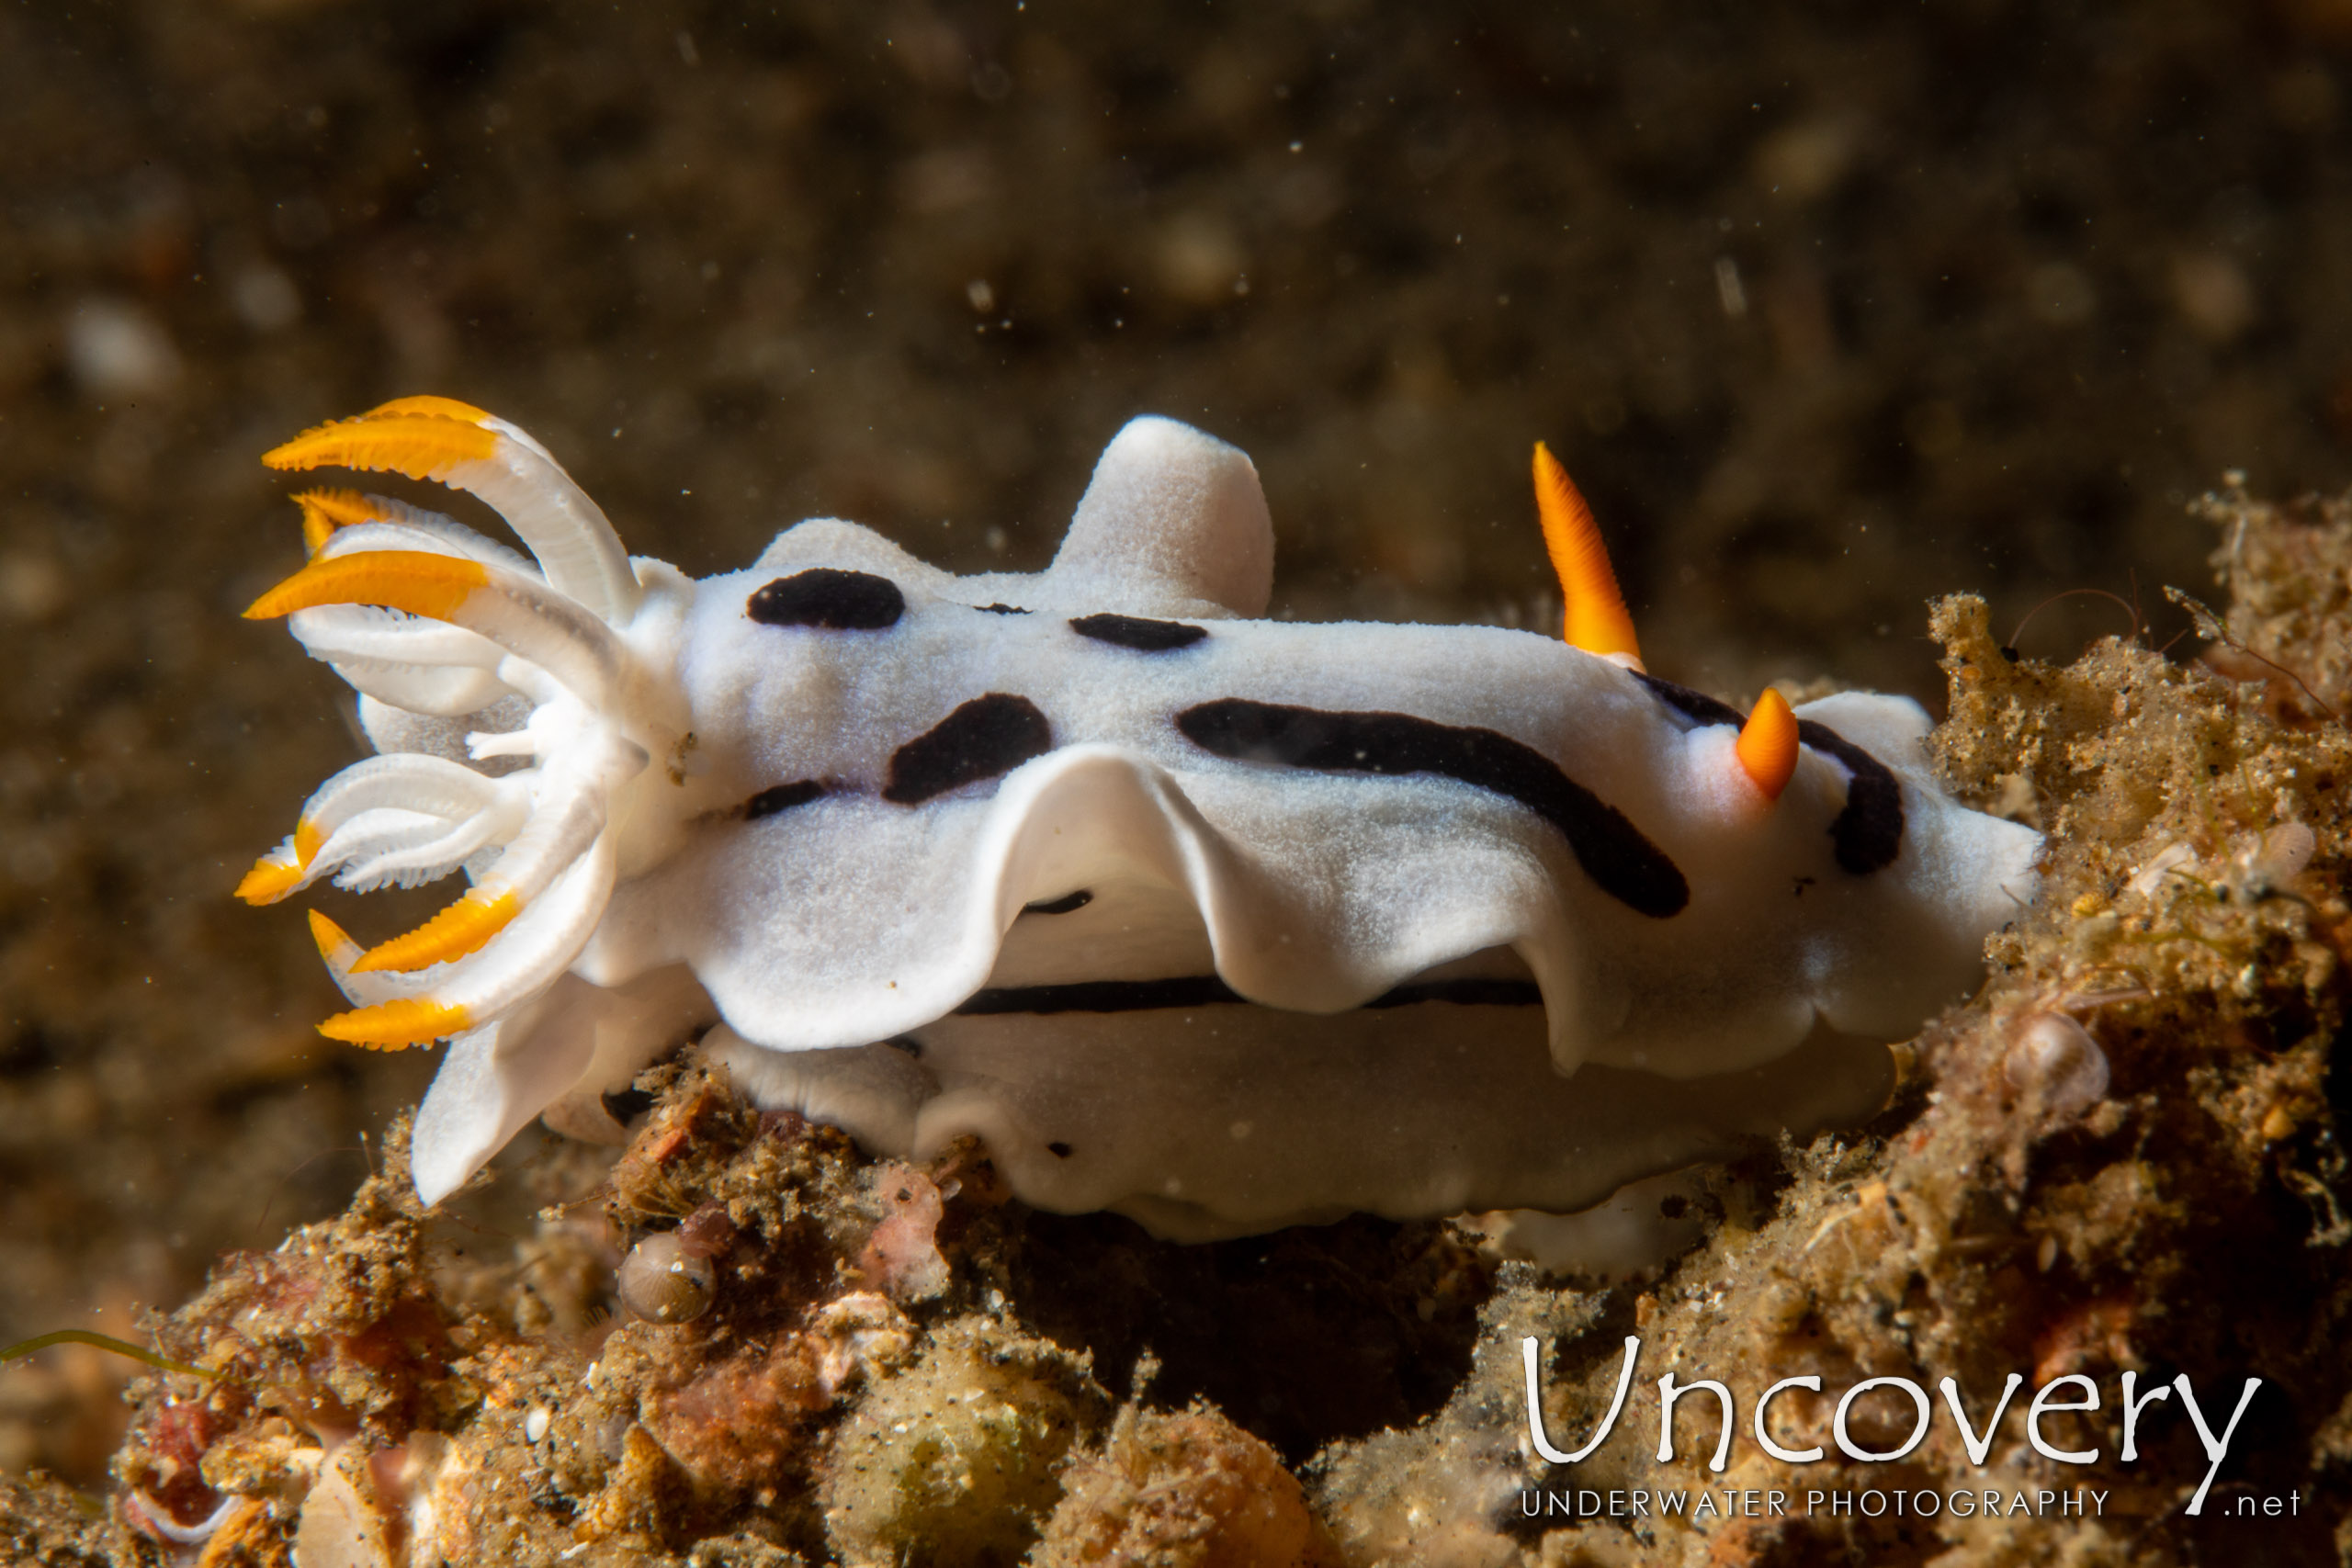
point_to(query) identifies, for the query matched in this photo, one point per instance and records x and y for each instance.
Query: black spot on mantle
(1068, 903)
(830, 599)
(1135, 632)
(781, 797)
(1614, 854)
(987, 736)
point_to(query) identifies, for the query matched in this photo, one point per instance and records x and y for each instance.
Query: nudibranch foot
(1223, 922)
(1221, 1119)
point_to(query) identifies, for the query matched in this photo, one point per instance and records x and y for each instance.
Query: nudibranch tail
(1596, 620)
(1768, 744)
(461, 446)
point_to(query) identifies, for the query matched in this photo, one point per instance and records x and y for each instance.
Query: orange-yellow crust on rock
(1596, 619)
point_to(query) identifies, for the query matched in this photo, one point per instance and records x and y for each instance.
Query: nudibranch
(1223, 922)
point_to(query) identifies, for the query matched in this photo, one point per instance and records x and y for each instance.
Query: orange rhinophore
(1768, 744)
(1596, 619)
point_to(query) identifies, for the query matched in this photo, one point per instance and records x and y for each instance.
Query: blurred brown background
(1830, 309)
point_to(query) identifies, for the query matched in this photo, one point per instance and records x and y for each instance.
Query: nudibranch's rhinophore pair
(1223, 922)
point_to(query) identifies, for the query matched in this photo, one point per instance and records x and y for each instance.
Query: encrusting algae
(2121, 1157)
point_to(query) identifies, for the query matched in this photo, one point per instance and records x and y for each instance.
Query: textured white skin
(812, 933)
(1254, 1119)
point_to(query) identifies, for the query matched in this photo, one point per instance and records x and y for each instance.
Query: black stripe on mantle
(1207, 990)
(1868, 832)
(1620, 861)
(780, 797)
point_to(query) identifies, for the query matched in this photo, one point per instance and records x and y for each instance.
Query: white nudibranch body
(1222, 922)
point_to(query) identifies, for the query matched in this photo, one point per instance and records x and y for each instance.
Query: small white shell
(2151, 876)
(2279, 857)
(660, 1282)
(2056, 1059)
(341, 1524)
